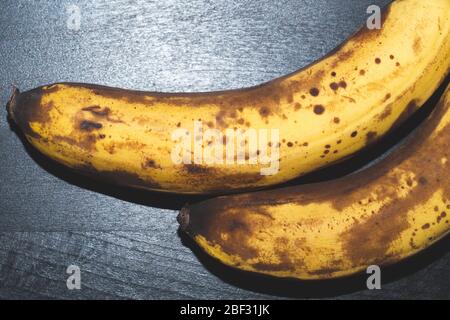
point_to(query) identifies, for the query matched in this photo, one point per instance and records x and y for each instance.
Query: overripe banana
(313, 117)
(378, 216)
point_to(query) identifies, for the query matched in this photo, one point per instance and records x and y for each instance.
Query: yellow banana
(318, 115)
(336, 228)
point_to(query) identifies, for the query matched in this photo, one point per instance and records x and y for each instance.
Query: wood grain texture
(126, 243)
(156, 265)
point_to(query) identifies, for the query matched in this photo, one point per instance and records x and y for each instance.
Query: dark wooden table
(126, 243)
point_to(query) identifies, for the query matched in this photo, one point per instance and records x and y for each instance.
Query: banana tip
(183, 218)
(12, 101)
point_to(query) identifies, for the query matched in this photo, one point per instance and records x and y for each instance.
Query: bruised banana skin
(327, 230)
(324, 112)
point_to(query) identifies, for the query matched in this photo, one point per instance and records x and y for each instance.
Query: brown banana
(377, 216)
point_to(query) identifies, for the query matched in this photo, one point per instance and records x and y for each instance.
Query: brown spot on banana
(319, 109)
(150, 164)
(98, 111)
(264, 112)
(334, 86)
(386, 113)
(314, 92)
(417, 45)
(90, 126)
(103, 113)
(343, 57)
(118, 177)
(197, 169)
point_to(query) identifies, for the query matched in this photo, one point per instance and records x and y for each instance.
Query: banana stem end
(10, 106)
(183, 218)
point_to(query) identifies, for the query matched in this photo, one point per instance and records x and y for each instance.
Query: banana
(379, 216)
(314, 117)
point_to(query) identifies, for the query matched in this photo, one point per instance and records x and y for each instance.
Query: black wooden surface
(126, 243)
